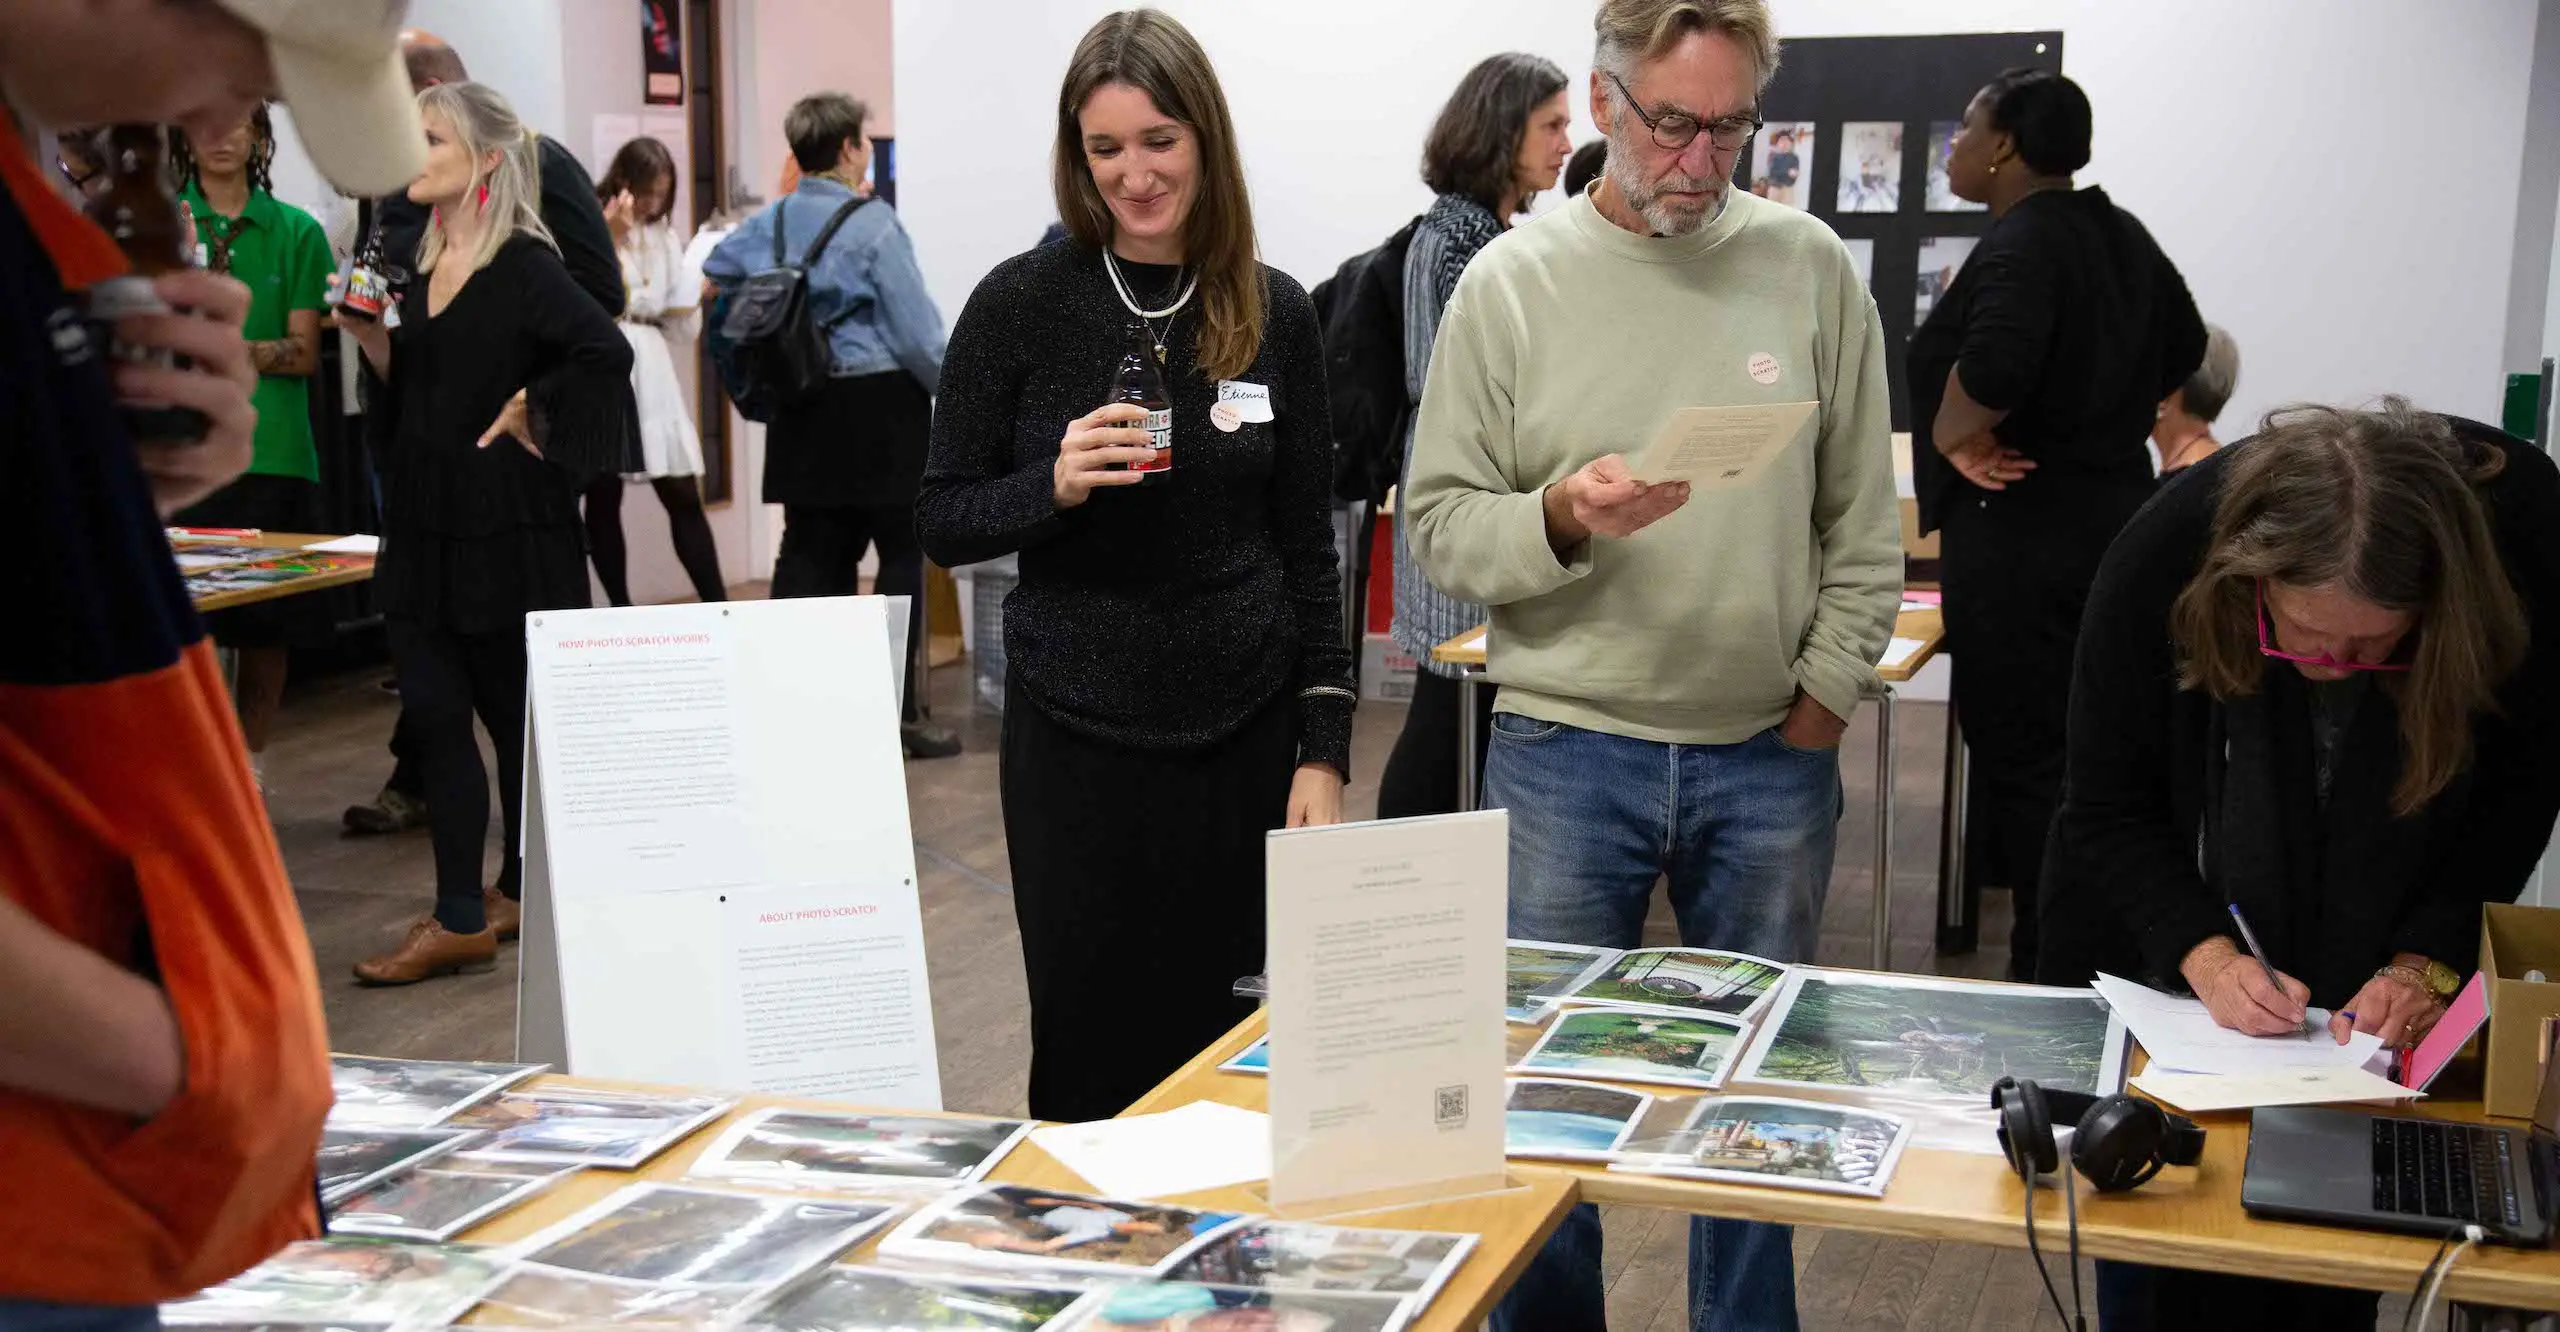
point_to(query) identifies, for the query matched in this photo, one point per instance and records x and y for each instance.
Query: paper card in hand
(1718, 448)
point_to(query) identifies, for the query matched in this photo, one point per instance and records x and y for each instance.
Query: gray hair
(2208, 390)
(1632, 30)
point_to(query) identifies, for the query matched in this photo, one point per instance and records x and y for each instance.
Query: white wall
(2338, 182)
(512, 46)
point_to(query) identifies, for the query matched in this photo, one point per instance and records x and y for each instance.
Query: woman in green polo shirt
(282, 254)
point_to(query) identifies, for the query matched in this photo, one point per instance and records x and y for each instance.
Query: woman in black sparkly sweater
(1179, 684)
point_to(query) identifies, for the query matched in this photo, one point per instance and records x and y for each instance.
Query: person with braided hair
(282, 254)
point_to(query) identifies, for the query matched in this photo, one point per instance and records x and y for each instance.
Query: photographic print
(414, 1093)
(1871, 166)
(345, 1283)
(870, 1299)
(1534, 973)
(441, 1201)
(1177, 1307)
(1942, 195)
(806, 1144)
(351, 1159)
(1931, 1038)
(1254, 1058)
(1637, 1045)
(542, 1297)
(618, 1130)
(1278, 1255)
(1782, 163)
(1941, 258)
(1006, 1225)
(1571, 1120)
(1800, 1144)
(1693, 978)
(1862, 252)
(666, 1234)
(197, 556)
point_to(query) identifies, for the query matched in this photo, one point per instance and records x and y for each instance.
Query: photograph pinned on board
(414, 1093)
(1637, 1045)
(1566, 1120)
(1782, 163)
(1535, 972)
(1934, 1038)
(1862, 252)
(1008, 1226)
(801, 1145)
(676, 1235)
(1941, 258)
(873, 1299)
(1870, 166)
(1184, 1307)
(1280, 1255)
(1797, 1144)
(351, 1160)
(1254, 1059)
(346, 1283)
(615, 1130)
(1942, 192)
(440, 1201)
(1700, 979)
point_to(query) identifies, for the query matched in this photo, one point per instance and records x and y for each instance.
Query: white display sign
(1386, 965)
(720, 883)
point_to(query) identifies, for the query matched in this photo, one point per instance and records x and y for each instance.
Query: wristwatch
(2435, 978)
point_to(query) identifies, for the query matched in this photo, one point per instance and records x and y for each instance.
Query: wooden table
(1467, 652)
(2187, 1218)
(1510, 1226)
(359, 568)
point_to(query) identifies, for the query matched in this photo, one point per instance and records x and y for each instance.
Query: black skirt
(859, 440)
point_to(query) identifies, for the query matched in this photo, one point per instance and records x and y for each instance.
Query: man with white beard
(1676, 669)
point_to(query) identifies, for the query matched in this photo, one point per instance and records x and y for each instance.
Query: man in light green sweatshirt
(1676, 665)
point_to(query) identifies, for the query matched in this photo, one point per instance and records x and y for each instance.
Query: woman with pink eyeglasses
(2312, 685)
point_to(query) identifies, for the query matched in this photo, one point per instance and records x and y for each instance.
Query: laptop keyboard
(2452, 1172)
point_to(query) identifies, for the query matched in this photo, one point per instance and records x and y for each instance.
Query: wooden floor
(357, 893)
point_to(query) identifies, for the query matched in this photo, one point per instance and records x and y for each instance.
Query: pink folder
(2470, 1008)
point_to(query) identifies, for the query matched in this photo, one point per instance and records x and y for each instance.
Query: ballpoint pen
(2250, 937)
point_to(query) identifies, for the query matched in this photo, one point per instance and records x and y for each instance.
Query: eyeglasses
(1674, 130)
(2267, 647)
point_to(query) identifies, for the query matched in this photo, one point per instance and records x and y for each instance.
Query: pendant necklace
(1146, 316)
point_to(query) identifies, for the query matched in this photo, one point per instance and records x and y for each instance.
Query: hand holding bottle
(1097, 451)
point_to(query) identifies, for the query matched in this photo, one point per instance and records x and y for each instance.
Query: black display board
(1917, 82)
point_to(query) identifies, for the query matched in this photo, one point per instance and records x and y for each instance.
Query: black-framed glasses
(1674, 130)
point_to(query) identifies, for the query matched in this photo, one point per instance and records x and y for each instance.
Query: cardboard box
(1386, 673)
(2514, 940)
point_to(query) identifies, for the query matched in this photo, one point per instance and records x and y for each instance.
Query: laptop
(2391, 1172)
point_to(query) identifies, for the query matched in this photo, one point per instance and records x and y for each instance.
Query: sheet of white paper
(824, 993)
(1387, 969)
(1899, 651)
(1203, 1145)
(1716, 447)
(2199, 1092)
(2181, 1036)
(358, 544)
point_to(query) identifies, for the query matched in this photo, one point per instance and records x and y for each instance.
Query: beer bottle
(1141, 380)
(140, 212)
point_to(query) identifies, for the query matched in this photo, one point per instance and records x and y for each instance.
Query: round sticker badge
(1225, 417)
(1763, 367)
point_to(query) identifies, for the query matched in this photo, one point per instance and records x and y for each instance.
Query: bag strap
(825, 234)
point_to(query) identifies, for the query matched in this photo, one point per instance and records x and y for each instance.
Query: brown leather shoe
(430, 950)
(506, 915)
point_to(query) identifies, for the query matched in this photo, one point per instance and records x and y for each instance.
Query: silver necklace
(1146, 316)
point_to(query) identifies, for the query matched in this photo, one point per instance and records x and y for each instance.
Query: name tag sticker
(1253, 401)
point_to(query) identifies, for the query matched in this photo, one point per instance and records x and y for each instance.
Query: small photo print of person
(1782, 163)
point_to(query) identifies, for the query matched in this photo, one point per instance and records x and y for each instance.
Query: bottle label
(1159, 425)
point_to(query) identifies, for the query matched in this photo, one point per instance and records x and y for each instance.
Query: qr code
(1453, 1105)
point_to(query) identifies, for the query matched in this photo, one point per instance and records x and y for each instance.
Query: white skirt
(669, 444)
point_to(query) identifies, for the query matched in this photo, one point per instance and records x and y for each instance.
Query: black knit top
(1162, 616)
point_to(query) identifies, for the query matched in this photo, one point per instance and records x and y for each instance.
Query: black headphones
(2119, 1142)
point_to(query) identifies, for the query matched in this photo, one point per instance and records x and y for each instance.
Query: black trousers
(1138, 883)
(821, 556)
(687, 527)
(445, 678)
(1422, 770)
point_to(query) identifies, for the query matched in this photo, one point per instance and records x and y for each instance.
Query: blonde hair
(1633, 30)
(484, 123)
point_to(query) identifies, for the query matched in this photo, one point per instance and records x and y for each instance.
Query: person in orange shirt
(163, 1067)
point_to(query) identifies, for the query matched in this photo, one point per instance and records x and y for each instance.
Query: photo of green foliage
(1690, 1050)
(1712, 982)
(1943, 1038)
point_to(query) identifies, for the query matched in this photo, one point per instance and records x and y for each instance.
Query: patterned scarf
(1470, 226)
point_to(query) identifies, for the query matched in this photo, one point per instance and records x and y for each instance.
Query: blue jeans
(1745, 834)
(42, 1316)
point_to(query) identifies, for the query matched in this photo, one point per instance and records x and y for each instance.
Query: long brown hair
(641, 164)
(1149, 51)
(2380, 505)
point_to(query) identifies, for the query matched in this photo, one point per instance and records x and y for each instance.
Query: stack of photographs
(827, 1147)
(669, 1254)
(1008, 1227)
(1254, 1059)
(444, 1198)
(198, 556)
(1559, 1119)
(615, 1130)
(1680, 1049)
(346, 1284)
(1795, 1144)
(414, 1093)
(872, 1299)
(352, 1160)
(1279, 1255)
(1179, 1305)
